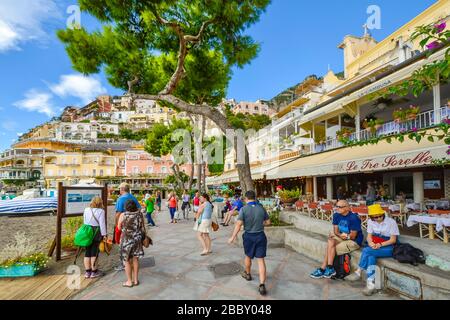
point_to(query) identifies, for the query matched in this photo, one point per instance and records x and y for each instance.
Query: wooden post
(61, 208)
(431, 231)
(445, 235)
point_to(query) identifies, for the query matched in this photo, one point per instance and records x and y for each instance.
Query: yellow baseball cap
(375, 210)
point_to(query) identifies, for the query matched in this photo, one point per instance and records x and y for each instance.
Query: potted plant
(412, 112)
(399, 115)
(289, 196)
(344, 133)
(71, 226)
(22, 258)
(374, 124)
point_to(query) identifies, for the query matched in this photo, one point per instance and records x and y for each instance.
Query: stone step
(310, 239)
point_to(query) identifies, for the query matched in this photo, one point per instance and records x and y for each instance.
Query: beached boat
(28, 206)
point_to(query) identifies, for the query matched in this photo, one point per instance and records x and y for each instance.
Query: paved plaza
(173, 269)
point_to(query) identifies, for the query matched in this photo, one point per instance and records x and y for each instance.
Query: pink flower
(433, 45)
(414, 129)
(446, 121)
(440, 27)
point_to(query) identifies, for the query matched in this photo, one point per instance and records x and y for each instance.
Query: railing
(423, 120)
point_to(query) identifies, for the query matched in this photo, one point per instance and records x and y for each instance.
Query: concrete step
(310, 239)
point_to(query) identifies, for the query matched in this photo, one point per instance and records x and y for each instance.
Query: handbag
(214, 226)
(106, 246)
(146, 240)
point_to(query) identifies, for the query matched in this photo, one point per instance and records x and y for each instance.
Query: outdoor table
(413, 206)
(442, 222)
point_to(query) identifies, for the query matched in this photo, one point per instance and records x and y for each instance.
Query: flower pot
(28, 270)
(289, 201)
(378, 126)
(412, 116)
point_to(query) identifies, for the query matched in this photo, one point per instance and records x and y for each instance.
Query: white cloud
(9, 125)
(79, 86)
(36, 101)
(23, 20)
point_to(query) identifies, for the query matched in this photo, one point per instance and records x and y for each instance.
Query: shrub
(290, 194)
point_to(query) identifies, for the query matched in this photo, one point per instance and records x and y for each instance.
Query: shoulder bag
(85, 234)
(146, 240)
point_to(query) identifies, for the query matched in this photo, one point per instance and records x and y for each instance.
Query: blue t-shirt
(349, 223)
(238, 204)
(120, 205)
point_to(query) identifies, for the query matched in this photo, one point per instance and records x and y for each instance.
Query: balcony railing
(424, 120)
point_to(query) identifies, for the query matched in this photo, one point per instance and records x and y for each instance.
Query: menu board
(78, 200)
(432, 184)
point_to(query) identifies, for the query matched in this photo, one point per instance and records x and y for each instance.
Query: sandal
(203, 253)
(126, 285)
(136, 284)
(246, 276)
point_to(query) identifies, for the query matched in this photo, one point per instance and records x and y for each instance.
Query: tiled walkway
(180, 272)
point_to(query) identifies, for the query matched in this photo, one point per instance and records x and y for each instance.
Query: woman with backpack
(94, 216)
(203, 223)
(382, 234)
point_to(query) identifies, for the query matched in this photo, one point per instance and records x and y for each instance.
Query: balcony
(423, 121)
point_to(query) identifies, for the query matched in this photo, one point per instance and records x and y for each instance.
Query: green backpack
(85, 235)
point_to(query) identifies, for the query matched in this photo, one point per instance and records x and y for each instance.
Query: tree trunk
(204, 177)
(176, 172)
(214, 115)
(191, 177)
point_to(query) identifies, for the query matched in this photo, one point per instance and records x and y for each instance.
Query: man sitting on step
(346, 237)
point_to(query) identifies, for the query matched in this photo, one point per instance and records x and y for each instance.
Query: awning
(380, 157)
(336, 107)
(258, 173)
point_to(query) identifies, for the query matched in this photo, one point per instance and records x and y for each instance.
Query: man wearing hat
(382, 233)
(346, 237)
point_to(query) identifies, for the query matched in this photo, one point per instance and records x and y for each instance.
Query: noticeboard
(76, 200)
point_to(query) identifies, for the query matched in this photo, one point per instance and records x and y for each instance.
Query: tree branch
(197, 38)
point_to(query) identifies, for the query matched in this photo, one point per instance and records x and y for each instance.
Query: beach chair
(326, 211)
(363, 214)
(313, 210)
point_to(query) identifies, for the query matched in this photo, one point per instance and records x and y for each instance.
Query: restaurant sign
(388, 162)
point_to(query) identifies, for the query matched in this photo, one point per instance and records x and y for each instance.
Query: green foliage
(290, 194)
(171, 179)
(246, 122)
(134, 42)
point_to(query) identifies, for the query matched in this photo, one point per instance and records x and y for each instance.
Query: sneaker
(246, 276)
(329, 272)
(96, 274)
(87, 274)
(317, 274)
(370, 289)
(262, 290)
(353, 277)
(119, 268)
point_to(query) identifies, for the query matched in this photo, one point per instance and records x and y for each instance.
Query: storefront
(404, 167)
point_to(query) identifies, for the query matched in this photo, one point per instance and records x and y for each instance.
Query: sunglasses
(341, 207)
(377, 217)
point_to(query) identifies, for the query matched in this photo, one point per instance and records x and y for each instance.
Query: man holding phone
(346, 237)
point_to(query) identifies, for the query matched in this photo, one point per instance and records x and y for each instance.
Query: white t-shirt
(99, 215)
(386, 228)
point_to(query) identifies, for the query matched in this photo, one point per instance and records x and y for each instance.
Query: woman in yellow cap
(382, 233)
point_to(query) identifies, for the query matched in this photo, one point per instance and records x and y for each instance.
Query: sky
(297, 38)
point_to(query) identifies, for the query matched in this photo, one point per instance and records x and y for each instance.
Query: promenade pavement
(173, 269)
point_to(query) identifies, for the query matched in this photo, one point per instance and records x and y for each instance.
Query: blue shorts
(255, 244)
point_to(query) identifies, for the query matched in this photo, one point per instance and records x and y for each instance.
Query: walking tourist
(370, 194)
(185, 206)
(346, 237)
(150, 208)
(253, 217)
(172, 204)
(158, 200)
(94, 216)
(236, 205)
(196, 202)
(131, 223)
(203, 223)
(125, 195)
(382, 233)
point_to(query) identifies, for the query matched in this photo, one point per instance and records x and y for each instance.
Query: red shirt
(172, 202)
(196, 201)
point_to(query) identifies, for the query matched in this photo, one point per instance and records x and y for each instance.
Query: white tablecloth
(440, 221)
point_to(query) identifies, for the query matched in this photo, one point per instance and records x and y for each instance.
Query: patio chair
(399, 216)
(363, 213)
(326, 211)
(313, 210)
(299, 206)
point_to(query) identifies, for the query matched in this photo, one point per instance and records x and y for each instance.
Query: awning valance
(382, 156)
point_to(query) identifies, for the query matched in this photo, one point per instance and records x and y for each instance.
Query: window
(256, 108)
(86, 172)
(60, 173)
(94, 172)
(108, 172)
(135, 170)
(74, 173)
(74, 160)
(163, 170)
(149, 169)
(50, 173)
(101, 172)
